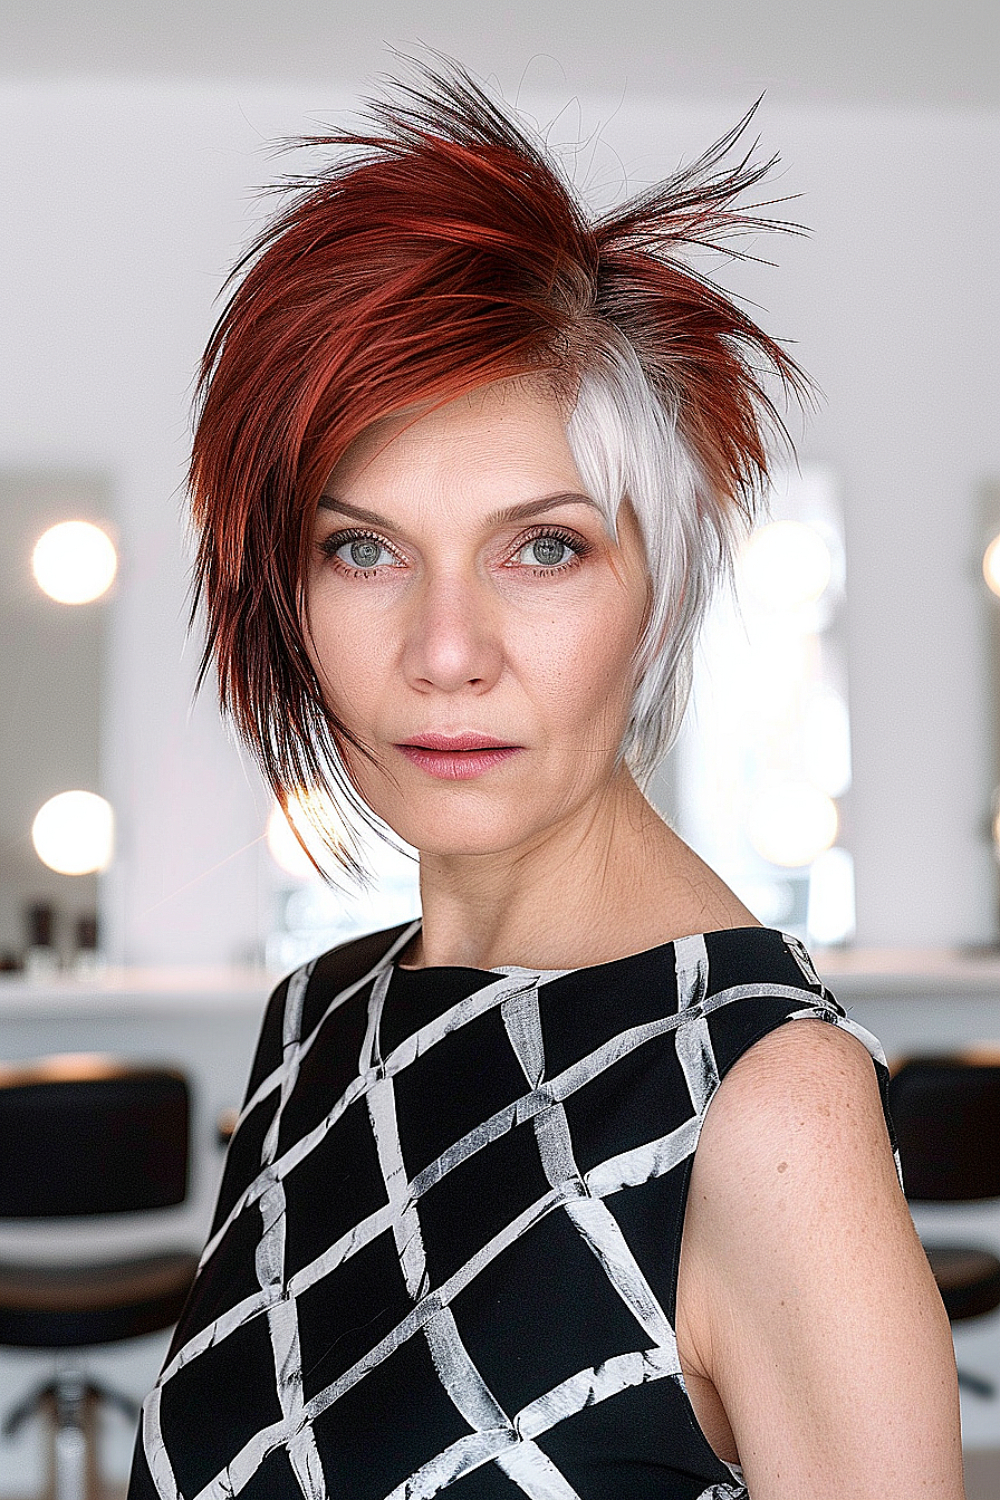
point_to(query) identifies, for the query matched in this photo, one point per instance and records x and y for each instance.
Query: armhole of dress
(825, 1010)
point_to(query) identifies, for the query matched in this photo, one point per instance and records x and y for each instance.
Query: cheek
(582, 665)
(345, 653)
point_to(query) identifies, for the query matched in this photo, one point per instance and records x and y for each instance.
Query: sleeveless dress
(445, 1251)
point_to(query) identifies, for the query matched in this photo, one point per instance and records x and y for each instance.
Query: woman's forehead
(508, 429)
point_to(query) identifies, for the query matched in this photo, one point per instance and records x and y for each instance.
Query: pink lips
(457, 757)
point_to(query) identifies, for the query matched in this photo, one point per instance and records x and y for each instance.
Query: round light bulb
(786, 564)
(74, 562)
(991, 565)
(73, 833)
(285, 849)
(830, 916)
(791, 823)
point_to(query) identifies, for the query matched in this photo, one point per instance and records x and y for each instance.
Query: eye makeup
(576, 545)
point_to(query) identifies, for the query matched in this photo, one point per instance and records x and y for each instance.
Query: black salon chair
(946, 1111)
(80, 1136)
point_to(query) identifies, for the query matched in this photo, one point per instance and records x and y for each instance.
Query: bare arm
(804, 1295)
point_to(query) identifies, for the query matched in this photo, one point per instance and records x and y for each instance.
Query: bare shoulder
(795, 1135)
(807, 1085)
(811, 1309)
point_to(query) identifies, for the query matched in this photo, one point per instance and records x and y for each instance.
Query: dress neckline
(502, 970)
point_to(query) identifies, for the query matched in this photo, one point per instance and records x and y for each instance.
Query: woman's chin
(469, 835)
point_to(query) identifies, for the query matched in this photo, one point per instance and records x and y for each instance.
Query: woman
(467, 468)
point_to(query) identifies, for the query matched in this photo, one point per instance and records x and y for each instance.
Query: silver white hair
(625, 440)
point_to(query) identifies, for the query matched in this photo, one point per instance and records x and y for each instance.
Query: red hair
(439, 252)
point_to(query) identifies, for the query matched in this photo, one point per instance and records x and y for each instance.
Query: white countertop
(138, 990)
(850, 972)
(903, 972)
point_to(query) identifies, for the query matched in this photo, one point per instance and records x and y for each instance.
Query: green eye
(360, 552)
(548, 550)
(364, 553)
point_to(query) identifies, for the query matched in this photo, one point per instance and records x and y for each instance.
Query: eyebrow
(505, 517)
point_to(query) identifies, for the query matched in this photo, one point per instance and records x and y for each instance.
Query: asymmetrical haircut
(436, 252)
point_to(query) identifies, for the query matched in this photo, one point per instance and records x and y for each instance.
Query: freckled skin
(459, 638)
(555, 857)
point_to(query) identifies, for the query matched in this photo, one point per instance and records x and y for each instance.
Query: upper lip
(467, 741)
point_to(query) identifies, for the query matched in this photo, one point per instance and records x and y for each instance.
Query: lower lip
(458, 765)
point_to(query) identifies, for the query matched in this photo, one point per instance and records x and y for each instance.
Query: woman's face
(461, 586)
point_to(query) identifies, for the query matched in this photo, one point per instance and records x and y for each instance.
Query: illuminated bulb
(826, 741)
(786, 564)
(831, 898)
(285, 849)
(791, 823)
(74, 562)
(73, 833)
(991, 565)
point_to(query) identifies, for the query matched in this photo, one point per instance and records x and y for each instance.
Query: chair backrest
(946, 1113)
(82, 1134)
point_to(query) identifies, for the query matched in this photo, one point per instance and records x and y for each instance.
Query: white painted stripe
(535, 1473)
(371, 1057)
(691, 967)
(444, 1468)
(219, 1329)
(282, 1316)
(592, 1219)
(523, 1024)
(601, 1231)
(273, 1080)
(303, 1454)
(405, 1221)
(291, 1023)
(586, 1388)
(462, 1380)
(803, 960)
(243, 1465)
(697, 1059)
(643, 1163)
(157, 1458)
(349, 1244)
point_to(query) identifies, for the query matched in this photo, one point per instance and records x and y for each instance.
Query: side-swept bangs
(437, 252)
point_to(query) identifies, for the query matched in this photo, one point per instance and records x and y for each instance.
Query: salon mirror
(51, 687)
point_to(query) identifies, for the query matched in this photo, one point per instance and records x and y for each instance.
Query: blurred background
(132, 141)
(855, 804)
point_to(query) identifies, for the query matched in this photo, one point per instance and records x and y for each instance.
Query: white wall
(123, 205)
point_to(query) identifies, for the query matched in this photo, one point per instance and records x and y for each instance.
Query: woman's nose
(453, 640)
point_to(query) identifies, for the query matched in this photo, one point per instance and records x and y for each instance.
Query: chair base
(71, 1400)
(969, 1282)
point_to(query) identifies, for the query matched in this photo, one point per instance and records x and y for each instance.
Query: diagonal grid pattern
(507, 1439)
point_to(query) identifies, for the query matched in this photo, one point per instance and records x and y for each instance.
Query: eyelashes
(362, 540)
(366, 547)
(575, 545)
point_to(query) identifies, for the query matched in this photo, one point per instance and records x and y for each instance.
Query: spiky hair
(435, 251)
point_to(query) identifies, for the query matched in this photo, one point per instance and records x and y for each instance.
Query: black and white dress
(446, 1247)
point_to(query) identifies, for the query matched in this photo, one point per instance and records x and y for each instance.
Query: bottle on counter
(41, 960)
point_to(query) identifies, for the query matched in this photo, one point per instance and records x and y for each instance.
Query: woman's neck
(612, 879)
